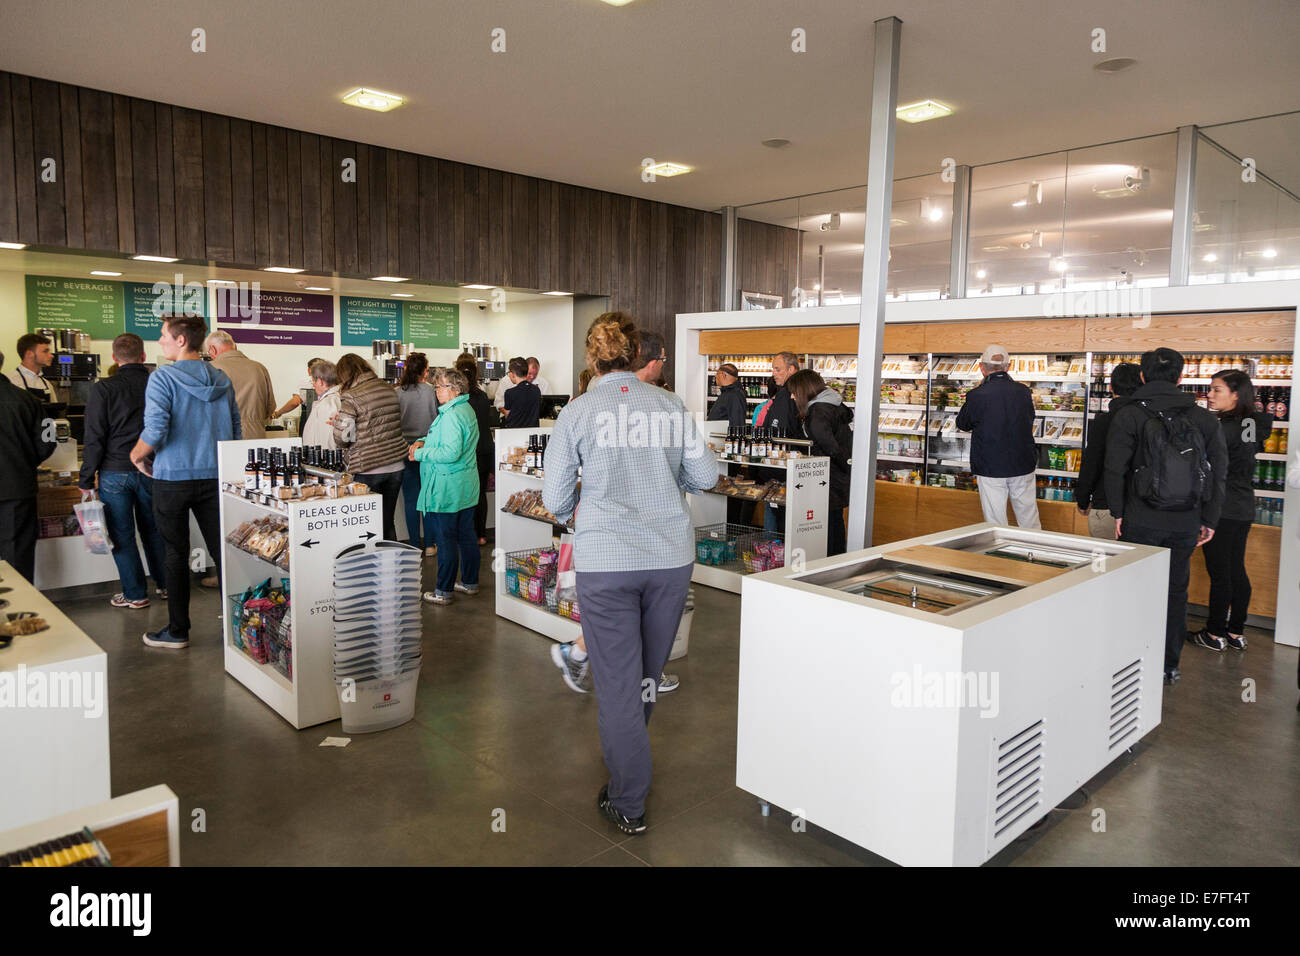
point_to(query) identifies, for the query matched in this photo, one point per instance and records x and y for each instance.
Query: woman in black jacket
(1090, 490)
(1232, 398)
(826, 422)
(467, 365)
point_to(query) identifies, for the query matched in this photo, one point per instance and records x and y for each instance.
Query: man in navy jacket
(999, 414)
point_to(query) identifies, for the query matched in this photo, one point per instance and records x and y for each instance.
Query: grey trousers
(629, 622)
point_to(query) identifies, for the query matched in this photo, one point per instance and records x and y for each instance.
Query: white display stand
(319, 528)
(66, 562)
(806, 509)
(851, 734)
(53, 747)
(518, 533)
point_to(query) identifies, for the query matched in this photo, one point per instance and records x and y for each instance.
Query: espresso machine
(389, 359)
(72, 373)
(490, 366)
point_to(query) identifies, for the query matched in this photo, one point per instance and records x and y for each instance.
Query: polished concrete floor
(497, 736)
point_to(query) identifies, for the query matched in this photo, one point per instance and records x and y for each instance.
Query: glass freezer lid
(937, 595)
(1036, 554)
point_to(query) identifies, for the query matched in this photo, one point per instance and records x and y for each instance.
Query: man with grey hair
(325, 382)
(253, 392)
(999, 414)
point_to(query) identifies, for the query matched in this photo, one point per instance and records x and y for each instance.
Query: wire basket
(531, 574)
(738, 547)
(265, 635)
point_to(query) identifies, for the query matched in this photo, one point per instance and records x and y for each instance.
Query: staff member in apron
(34, 355)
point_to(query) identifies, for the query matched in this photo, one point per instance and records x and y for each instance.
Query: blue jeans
(128, 499)
(411, 498)
(457, 549)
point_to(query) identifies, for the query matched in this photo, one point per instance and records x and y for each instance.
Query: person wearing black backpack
(1166, 467)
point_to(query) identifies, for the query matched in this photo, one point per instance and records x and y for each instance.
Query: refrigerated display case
(951, 693)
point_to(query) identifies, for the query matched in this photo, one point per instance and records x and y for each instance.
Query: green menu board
(82, 304)
(362, 320)
(433, 325)
(145, 302)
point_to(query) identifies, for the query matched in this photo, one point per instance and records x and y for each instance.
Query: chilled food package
(1053, 428)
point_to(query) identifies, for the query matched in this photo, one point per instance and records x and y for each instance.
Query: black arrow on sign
(798, 486)
(821, 482)
(368, 535)
(309, 542)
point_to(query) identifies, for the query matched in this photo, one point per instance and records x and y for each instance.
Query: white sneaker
(433, 597)
(575, 672)
(668, 682)
(465, 589)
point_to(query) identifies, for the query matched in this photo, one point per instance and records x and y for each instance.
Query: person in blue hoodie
(189, 408)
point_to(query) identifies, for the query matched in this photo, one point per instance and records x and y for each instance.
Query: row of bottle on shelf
(755, 386)
(748, 441)
(531, 456)
(1197, 365)
(1269, 476)
(745, 364)
(1268, 511)
(308, 465)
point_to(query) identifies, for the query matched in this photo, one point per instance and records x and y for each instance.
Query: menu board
(362, 320)
(83, 304)
(145, 302)
(237, 306)
(432, 325)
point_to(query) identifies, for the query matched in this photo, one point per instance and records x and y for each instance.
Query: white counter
(53, 714)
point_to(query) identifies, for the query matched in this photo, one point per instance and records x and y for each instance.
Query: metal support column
(875, 276)
(729, 299)
(1180, 244)
(960, 234)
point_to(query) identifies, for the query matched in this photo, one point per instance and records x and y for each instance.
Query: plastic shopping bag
(566, 577)
(90, 515)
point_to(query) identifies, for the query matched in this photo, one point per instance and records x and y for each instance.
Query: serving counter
(947, 691)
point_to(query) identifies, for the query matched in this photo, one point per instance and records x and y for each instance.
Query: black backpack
(1175, 470)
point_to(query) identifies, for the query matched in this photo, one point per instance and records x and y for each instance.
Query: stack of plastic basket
(377, 632)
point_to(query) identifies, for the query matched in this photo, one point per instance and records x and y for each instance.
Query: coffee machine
(72, 373)
(389, 359)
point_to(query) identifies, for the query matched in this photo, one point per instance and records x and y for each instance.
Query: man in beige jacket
(253, 393)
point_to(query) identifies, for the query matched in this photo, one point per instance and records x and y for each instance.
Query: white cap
(995, 356)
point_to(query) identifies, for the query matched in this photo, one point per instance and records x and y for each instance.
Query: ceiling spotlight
(776, 143)
(1061, 265)
(154, 259)
(980, 274)
(282, 269)
(618, 3)
(376, 100)
(922, 111)
(103, 272)
(667, 169)
(557, 293)
(386, 279)
(1116, 64)
(1269, 253)
(1142, 181)
(930, 210)
(1209, 257)
(832, 223)
(476, 300)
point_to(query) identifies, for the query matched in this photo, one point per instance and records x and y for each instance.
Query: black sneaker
(164, 638)
(625, 824)
(1237, 641)
(1204, 638)
(1171, 676)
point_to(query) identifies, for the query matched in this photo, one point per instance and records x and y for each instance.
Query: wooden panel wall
(906, 337)
(767, 259)
(140, 177)
(1194, 332)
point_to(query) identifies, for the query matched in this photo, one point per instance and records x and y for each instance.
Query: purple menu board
(274, 309)
(273, 336)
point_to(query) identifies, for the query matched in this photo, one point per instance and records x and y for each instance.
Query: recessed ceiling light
(557, 293)
(13, 245)
(776, 143)
(103, 272)
(618, 3)
(282, 269)
(1115, 65)
(220, 282)
(922, 111)
(996, 248)
(319, 288)
(1020, 202)
(1269, 253)
(1209, 257)
(155, 259)
(376, 100)
(476, 300)
(476, 287)
(980, 274)
(668, 169)
(403, 295)
(387, 279)
(1061, 265)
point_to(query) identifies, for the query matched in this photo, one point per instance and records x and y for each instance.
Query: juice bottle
(1281, 440)
(1270, 443)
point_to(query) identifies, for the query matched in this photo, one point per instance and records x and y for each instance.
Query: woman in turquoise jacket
(449, 485)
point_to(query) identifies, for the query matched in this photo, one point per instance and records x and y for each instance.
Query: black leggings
(1225, 563)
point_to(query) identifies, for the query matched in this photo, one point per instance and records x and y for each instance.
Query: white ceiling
(585, 90)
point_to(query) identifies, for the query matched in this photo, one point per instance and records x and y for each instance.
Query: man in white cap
(999, 414)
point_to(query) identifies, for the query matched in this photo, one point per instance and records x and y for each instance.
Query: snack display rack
(286, 659)
(519, 535)
(806, 482)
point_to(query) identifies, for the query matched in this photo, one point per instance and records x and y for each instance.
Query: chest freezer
(946, 692)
